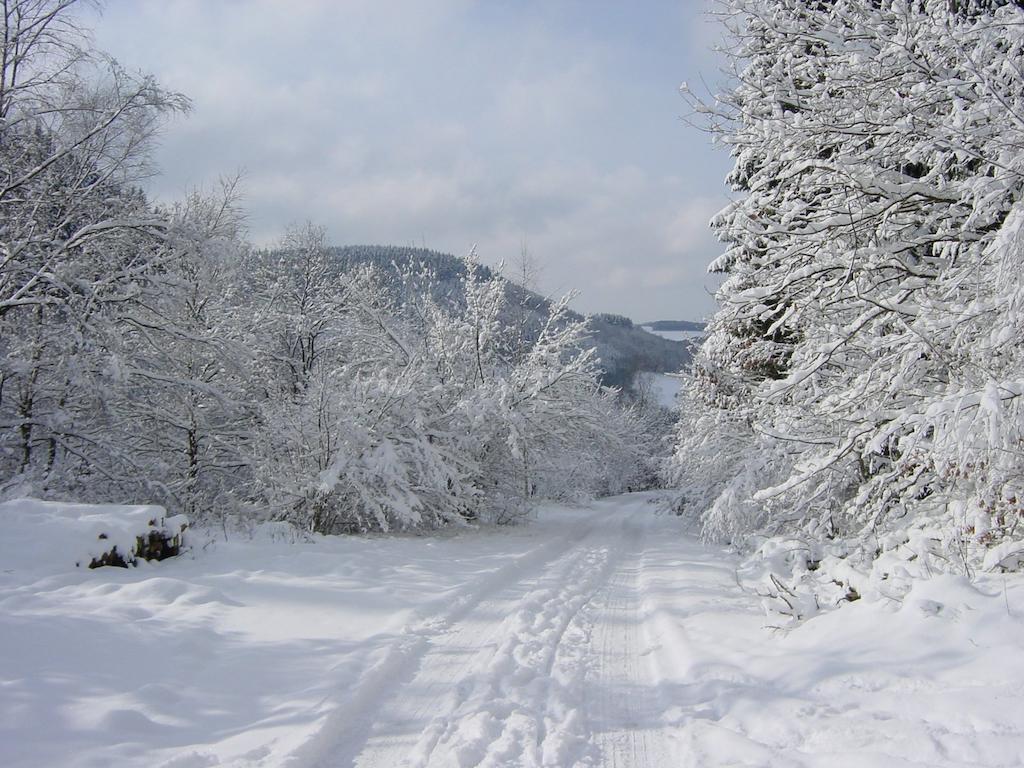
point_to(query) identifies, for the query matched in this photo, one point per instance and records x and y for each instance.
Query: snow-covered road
(603, 636)
(630, 644)
(504, 683)
(568, 664)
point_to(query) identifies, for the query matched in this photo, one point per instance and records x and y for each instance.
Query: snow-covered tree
(862, 362)
(299, 304)
(361, 443)
(183, 367)
(424, 411)
(75, 241)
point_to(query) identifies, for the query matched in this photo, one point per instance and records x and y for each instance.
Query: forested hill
(624, 348)
(676, 325)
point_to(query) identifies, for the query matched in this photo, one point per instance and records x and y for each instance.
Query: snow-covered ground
(665, 386)
(662, 387)
(597, 636)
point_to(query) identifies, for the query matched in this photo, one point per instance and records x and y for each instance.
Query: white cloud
(688, 231)
(449, 123)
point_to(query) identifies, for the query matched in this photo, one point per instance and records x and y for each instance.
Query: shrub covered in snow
(51, 534)
(386, 408)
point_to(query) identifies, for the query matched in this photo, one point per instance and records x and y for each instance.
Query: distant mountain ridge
(623, 347)
(675, 325)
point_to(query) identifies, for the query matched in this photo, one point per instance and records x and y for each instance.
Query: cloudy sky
(550, 125)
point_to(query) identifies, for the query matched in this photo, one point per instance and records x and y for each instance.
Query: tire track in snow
(486, 692)
(625, 707)
(467, 626)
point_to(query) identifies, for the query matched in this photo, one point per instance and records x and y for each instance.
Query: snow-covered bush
(421, 412)
(52, 534)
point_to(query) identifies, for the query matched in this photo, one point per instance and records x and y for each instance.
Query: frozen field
(603, 636)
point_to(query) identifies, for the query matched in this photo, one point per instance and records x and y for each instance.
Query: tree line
(149, 353)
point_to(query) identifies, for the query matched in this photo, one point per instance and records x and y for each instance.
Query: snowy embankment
(599, 636)
(47, 536)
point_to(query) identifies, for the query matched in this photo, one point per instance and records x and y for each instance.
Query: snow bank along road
(595, 637)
